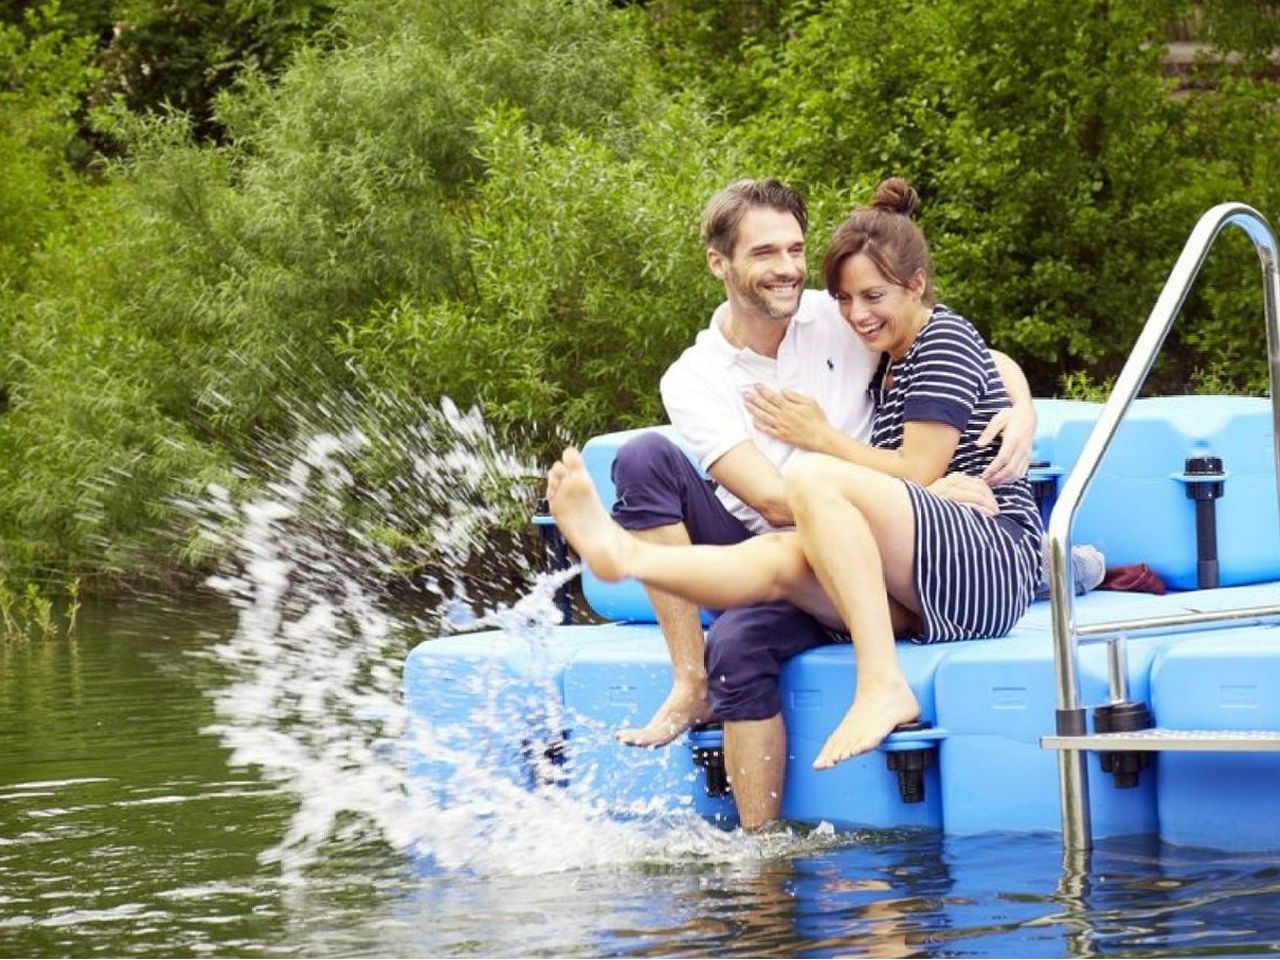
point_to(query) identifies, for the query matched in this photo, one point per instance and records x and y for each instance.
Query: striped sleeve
(950, 373)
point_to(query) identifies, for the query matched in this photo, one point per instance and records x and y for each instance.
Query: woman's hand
(788, 416)
(967, 490)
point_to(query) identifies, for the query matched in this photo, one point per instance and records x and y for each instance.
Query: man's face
(766, 271)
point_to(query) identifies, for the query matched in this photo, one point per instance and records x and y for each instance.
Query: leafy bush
(180, 56)
(1059, 174)
(44, 75)
(198, 301)
(498, 202)
(581, 254)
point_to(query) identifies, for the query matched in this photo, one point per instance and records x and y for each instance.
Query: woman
(873, 551)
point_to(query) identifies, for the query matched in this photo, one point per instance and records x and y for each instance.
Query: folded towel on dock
(1136, 577)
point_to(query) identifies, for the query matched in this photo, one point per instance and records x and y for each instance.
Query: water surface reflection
(124, 831)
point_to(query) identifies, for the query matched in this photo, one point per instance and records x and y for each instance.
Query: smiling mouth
(782, 289)
(871, 330)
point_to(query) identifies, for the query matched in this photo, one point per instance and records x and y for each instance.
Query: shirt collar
(725, 351)
(803, 315)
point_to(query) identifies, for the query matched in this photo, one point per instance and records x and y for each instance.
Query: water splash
(312, 696)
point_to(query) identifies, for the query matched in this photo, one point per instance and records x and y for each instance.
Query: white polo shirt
(819, 356)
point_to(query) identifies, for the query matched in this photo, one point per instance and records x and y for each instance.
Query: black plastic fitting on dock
(1124, 716)
(1204, 492)
(1069, 723)
(1043, 488)
(547, 760)
(706, 741)
(910, 765)
(557, 551)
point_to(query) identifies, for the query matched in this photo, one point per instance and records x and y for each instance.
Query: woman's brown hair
(885, 233)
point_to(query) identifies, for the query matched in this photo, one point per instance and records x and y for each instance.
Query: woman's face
(885, 315)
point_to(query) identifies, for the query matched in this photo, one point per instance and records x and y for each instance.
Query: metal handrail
(1072, 772)
(1176, 622)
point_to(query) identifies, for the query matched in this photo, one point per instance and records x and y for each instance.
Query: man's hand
(788, 416)
(1016, 428)
(966, 490)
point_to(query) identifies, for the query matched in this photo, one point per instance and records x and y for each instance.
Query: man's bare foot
(878, 707)
(583, 520)
(681, 710)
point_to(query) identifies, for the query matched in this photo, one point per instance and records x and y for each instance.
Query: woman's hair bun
(895, 195)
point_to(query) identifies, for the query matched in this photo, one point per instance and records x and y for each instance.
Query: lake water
(126, 829)
(226, 775)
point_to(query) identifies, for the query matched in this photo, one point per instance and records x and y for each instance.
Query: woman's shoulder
(946, 327)
(943, 317)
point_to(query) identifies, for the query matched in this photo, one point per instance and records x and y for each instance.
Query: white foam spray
(311, 696)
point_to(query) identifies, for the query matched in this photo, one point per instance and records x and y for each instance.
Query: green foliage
(43, 74)
(1250, 28)
(705, 44)
(198, 301)
(1081, 385)
(27, 613)
(581, 253)
(499, 203)
(161, 56)
(1231, 129)
(1050, 154)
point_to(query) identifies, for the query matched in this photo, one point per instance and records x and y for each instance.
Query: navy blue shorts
(657, 486)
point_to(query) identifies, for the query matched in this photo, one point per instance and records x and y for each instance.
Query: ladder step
(1158, 738)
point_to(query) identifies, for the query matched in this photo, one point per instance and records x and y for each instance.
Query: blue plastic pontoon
(1181, 730)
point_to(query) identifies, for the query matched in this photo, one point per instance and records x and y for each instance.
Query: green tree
(43, 74)
(582, 254)
(1058, 172)
(158, 55)
(179, 56)
(197, 303)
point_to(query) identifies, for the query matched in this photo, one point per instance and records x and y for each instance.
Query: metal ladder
(1072, 739)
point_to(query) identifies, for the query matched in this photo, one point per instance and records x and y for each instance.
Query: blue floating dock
(1229, 680)
(565, 691)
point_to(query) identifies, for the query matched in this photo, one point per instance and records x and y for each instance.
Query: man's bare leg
(681, 625)
(755, 757)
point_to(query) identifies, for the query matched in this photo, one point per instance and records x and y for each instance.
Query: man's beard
(755, 297)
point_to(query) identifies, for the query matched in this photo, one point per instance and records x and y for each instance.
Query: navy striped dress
(974, 575)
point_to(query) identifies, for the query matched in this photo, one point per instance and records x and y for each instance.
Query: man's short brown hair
(724, 212)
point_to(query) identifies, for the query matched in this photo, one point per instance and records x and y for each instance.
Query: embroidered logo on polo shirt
(831, 364)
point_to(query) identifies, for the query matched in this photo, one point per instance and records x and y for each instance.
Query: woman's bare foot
(583, 520)
(878, 707)
(684, 706)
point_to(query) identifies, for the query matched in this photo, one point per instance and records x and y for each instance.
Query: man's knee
(742, 676)
(645, 457)
(656, 484)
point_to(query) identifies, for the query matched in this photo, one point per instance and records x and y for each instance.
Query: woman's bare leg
(764, 568)
(850, 565)
(857, 530)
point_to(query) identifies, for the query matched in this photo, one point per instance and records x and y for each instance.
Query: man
(771, 337)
